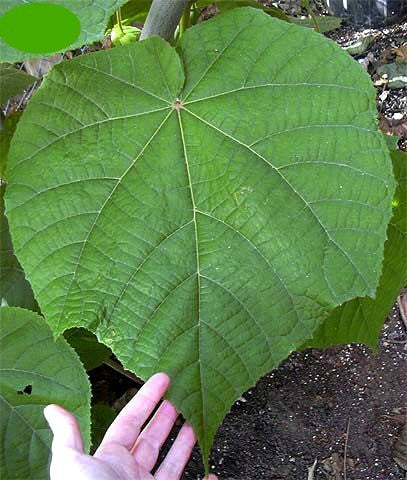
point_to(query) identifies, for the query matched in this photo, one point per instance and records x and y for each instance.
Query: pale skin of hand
(127, 452)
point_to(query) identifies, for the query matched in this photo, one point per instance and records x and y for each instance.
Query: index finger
(126, 427)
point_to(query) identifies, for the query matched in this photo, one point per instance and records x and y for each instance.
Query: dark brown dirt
(302, 410)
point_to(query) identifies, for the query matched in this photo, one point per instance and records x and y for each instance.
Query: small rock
(241, 399)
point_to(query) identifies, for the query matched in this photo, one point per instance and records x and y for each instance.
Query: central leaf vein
(197, 260)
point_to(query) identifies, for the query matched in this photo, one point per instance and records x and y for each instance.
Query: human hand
(126, 451)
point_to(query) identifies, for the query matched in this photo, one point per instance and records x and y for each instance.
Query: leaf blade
(184, 164)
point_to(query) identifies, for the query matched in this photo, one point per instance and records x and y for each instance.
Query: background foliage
(35, 371)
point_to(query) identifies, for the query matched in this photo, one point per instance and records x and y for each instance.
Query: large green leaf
(12, 82)
(35, 371)
(360, 320)
(204, 212)
(93, 16)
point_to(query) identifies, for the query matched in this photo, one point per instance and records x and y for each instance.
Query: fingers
(212, 477)
(174, 463)
(126, 427)
(65, 429)
(151, 439)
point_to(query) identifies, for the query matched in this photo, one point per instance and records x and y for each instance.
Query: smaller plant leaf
(122, 35)
(102, 417)
(396, 74)
(7, 130)
(360, 320)
(12, 82)
(392, 141)
(90, 351)
(326, 23)
(35, 370)
(360, 45)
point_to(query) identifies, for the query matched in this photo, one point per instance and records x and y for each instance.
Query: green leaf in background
(392, 142)
(326, 23)
(202, 211)
(93, 16)
(90, 351)
(132, 11)
(226, 5)
(102, 417)
(360, 45)
(35, 371)
(396, 74)
(13, 81)
(360, 320)
(7, 129)
(15, 290)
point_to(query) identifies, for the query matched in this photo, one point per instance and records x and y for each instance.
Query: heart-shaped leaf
(202, 212)
(35, 370)
(92, 14)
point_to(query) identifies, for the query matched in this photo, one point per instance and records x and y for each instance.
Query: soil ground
(303, 410)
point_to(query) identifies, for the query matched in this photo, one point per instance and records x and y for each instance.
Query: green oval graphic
(39, 27)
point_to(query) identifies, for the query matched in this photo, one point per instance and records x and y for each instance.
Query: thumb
(65, 429)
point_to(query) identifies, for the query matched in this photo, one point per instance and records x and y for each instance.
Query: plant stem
(311, 14)
(185, 20)
(119, 19)
(163, 18)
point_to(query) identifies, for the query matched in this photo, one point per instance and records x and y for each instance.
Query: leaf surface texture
(202, 210)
